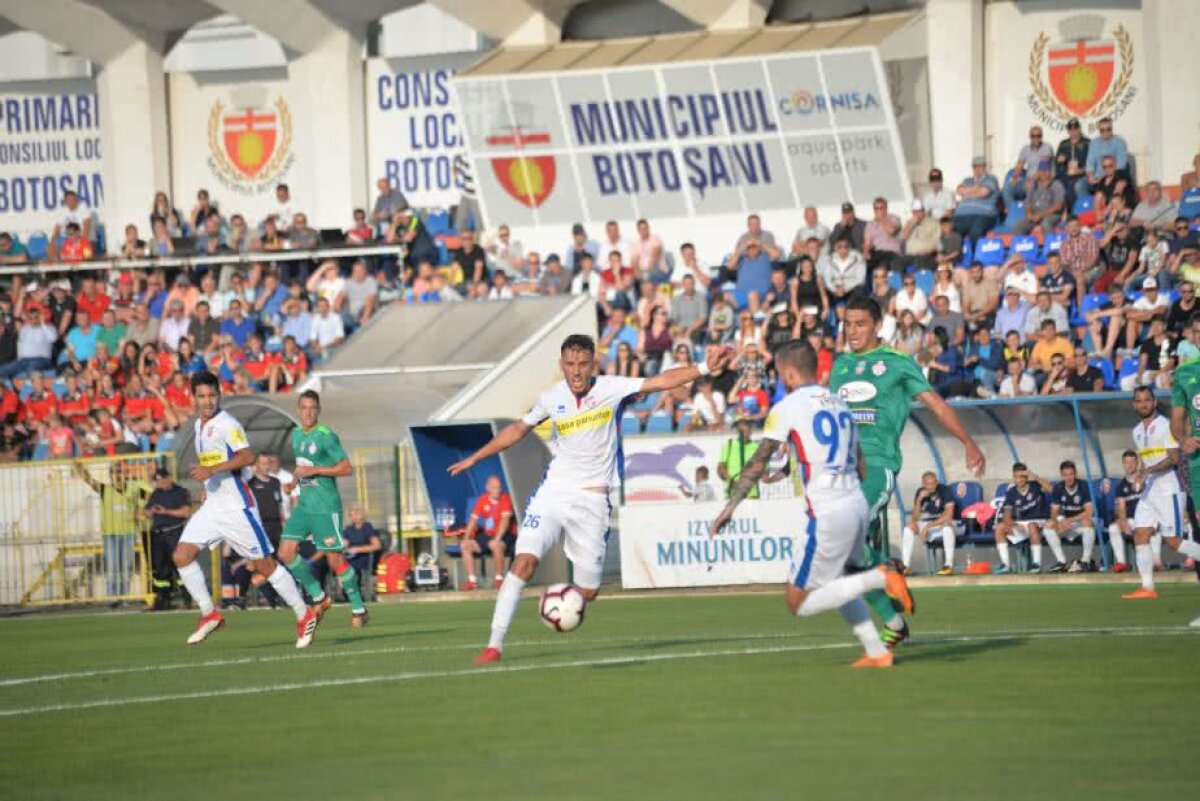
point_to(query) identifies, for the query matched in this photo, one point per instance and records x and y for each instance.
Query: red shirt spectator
(113, 401)
(165, 364)
(39, 406)
(95, 304)
(257, 363)
(295, 365)
(489, 511)
(179, 395)
(10, 404)
(824, 365)
(74, 406)
(140, 405)
(111, 366)
(61, 438)
(76, 248)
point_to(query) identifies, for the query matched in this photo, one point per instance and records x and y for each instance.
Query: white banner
(237, 140)
(683, 141)
(667, 544)
(413, 133)
(49, 143)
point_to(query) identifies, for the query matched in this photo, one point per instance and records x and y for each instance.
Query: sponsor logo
(805, 102)
(1084, 74)
(331, 540)
(878, 369)
(858, 392)
(250, 141)
(529, 180)
(864, 417)
(1196, 402)
(860, 368)
(210, 458)
(584, 421)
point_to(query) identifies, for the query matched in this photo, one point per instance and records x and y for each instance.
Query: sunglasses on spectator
(910, 283)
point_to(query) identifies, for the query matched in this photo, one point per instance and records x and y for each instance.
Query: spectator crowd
(1065, 276)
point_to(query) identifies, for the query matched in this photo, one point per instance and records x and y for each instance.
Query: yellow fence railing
(72, 531)
(387, 487)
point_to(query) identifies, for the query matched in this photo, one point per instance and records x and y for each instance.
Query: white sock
(285, 585)
(1156, 547)
(839, 592)
(948, 543)
(1145, 564)
(1189, 548)
(856, 614)
(193, 579)
(1117, 543)
(907, 541)
(506, 607)
(1002, 550)
(1055, 542)
(1036, 553)
(1089, 543)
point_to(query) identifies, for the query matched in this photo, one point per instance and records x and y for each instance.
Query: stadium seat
(1104, 498)
(38, 246)
(1189, 204)
(1090, 303)
(630, 425)
(965, 259)
(1172, 295)
(658, 423)
(1015, 214)
(1085, 210)
(437, 223)
(895, 281)
(1105, 366)
(1129, 367)
(924, 279)
(1028, 248)
(990, 251)
(645, 403)
(1052, 244)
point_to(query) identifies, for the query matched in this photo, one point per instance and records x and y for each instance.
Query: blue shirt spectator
(1011, 315)
(298, 324)
(82, 341)
(239, 329)
(1106, 144)
(753, 272)
(984, 205)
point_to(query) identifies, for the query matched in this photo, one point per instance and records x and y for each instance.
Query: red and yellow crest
(528, 179)
(251, 143)
(1084, 75)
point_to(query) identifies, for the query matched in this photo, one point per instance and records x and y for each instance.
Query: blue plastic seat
(924, 279)
(1014, 214)
(658, 423)
(1028, 248)
(990, 251)
(965, 259)
(630, 425)
(1083, 205)
(38, 246)
(1189, 204)
(895, 281)
(1053, 244)
(1105, 366)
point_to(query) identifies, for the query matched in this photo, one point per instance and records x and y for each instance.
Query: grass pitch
(1004, 692)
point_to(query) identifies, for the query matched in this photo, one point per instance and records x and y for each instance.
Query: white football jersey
(587, 447)
(1153, 439)
(820, 427)
(217, 441)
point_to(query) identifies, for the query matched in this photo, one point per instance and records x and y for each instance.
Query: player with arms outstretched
(1163, 505)
(880, 384)
(572, 500)
(320, 461)
(821, 429)
(228, 514)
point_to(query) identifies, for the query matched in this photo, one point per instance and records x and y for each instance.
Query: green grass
(1015, 693)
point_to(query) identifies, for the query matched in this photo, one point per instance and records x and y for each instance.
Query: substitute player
(228, 514)
(1163, 505)
(819, 426)
(932, 517)
(1072, 515)
(879, 384)
(320, 461)
(573, 497)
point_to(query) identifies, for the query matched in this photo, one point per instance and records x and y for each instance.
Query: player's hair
(578, 342)
(1129, 452)
(702, 470)
(1019, 466)
(1138, 390)
(799, 354)
(312, 395)
(867, 304)
(928, 473)
(205, 379)
(1066, 464)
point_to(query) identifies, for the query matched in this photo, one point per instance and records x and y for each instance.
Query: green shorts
(878, 487)
(323, 527)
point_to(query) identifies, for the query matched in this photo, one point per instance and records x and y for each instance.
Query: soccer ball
(562, 607)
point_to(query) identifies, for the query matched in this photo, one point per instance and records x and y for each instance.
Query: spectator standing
(978, 194)
(74, 212)
(122, 498)
(1070, 162)
(689, 312)
(1080, 253)
(1183, 310)
(1029, 160)
(648, 254)
(388, 202)
(849, 226)
(283, 210)
(1057, 281)
(327, 331)
(168, 508)
(813, 228)
(735, 453)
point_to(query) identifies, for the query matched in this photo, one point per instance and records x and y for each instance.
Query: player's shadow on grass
(346, 638)
(952, 651)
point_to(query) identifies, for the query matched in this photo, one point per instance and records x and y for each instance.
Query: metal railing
(72, 531)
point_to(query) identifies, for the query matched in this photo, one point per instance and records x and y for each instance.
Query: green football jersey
(1186, 395)
(318, 448)
(879, 386)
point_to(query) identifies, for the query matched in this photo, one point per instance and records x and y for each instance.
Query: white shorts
(581, 517)
(1020, 530)
(1165, 512)
(1073, 531)
(834, 536)
(238, 526)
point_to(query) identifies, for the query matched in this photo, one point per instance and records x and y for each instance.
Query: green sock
(879, 601)
(349, 579)
(299, 569)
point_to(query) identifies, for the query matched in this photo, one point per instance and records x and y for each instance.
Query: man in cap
(921, 236)
(978, 193)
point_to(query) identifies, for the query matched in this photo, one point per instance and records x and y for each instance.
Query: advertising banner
(657, 467)
(668, 544)
(413, 133)
(50, 143)
(683, 141)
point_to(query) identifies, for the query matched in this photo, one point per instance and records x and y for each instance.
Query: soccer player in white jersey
(1162, 508)
(228, 514)
(821, 429)
(572, 500)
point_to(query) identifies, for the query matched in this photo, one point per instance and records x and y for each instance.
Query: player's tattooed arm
(751, 473)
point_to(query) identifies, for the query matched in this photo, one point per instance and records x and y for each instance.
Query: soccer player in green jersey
(1185, 426)
(880, 384)
(320, 461)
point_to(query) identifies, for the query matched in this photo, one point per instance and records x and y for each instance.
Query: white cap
(918, 206)
(1150, 283)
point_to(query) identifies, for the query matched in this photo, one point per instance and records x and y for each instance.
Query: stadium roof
(862, 31)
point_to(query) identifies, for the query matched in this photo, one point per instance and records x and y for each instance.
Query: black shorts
(484, 543)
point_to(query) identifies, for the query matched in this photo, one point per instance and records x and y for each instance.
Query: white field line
(304, 656)
(596, 662)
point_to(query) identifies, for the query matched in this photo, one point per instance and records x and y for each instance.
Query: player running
(1163, 505)
(879, 384)
(821, 430)
(573, 497)
(320, 461)
(228, 514)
